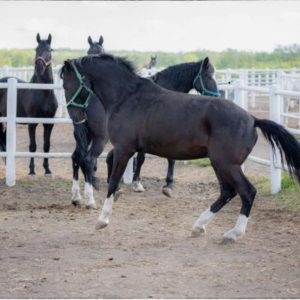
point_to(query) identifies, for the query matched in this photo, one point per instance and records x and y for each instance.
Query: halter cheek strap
(205, 91)
(82, 86)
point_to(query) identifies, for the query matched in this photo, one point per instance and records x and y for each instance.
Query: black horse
(94, 132)
(179, 78)
(182, 77)
(144, 117)
(95, 47)
(152, 63)
(35, 103)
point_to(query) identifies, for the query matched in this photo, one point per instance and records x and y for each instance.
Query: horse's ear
(206, 62)
(38, 38)
(67, 65)
(49, 38)
(90, 41)
(101, 40)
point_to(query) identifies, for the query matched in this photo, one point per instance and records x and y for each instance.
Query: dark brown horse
(94, 132)
(35, 103)
(144, 117)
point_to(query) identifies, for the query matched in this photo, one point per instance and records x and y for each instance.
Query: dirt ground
(50, 249)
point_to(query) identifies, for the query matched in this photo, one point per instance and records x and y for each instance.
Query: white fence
(239, 89)
(12, 86)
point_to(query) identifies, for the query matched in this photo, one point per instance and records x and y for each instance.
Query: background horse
(180, 78)
(143, 116)
(95, 47)
(35, 103)
(93, 132)
(149, 69)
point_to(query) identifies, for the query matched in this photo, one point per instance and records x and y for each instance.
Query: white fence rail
(239, 89)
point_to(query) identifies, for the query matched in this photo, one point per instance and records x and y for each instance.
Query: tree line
(280, 57)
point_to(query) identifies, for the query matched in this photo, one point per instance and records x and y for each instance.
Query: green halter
(205, 91)
(81, 86)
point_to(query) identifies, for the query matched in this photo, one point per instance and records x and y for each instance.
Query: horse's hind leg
(119, 165)
(167, 189)
(32, 146)
(47, 133)
(76, 197)
(233, 175)
(247, 193)
(137, 186)
(227, 193)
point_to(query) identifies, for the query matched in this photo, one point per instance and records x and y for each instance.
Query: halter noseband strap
(46, 63)
(82, 86)
(205, 91)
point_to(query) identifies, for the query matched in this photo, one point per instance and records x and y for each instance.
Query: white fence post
(275, 116)
(11, 132)
(128, 174)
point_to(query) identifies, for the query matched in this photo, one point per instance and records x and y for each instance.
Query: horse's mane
(121, 61)
(90, 60)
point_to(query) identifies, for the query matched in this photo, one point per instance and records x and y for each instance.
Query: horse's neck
(181, 81)
(47, 77)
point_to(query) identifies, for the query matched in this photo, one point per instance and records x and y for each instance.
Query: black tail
(2, 138)
(278, 136)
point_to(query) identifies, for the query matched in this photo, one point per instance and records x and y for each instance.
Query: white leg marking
(76, 197)
(103, 219)
(137, 186)
(238, 230)
(202, 221)
(88, 193)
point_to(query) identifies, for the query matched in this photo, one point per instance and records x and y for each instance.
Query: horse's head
(77, 91)
(153, 61)
(43, 55)
(96, 48)
(205, 82)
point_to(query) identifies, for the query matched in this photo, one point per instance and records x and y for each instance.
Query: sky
(152, 25)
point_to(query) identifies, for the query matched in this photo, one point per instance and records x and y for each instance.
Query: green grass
(288, 197)
(202, 163)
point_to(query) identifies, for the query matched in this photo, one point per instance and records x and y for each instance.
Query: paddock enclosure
(50, 248)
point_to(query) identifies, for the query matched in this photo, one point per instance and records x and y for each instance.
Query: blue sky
(152, 25)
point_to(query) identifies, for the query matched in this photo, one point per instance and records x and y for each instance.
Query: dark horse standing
(35, 103)
(144, 117)
(180, 78)
(94, 131)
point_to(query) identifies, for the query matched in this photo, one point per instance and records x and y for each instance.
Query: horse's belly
(181, 150)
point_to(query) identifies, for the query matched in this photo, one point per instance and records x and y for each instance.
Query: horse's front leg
(88, 171)
(32, 146)
(76, 197)
(47, 134)
(137, 186)
(98, 145)
(120, 161)
(168, 188)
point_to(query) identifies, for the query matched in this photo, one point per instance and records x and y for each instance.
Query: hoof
(101, 224)
(232, 235)
(32, 174)
(91, 206)
(96, 183)
(167, 191)
(198, 231)
(117, 194)
(138, 187)
(76, 203)
(48, 174)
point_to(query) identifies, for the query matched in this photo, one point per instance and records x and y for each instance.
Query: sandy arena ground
(50, 249)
